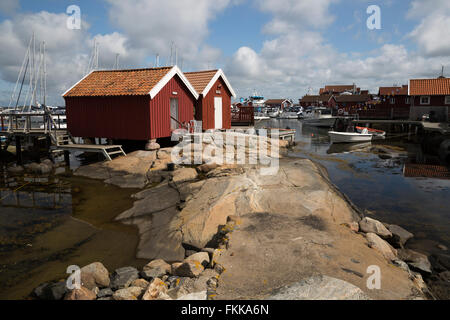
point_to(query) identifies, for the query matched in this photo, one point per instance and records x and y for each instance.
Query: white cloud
(146, 27)
(299, 58)
(289, 14)
(67, 51)
(151, 25)
(433, 32)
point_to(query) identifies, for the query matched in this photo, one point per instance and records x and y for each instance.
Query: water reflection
(50, 222)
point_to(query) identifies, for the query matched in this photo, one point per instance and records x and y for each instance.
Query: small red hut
(213, 106)
(136, 104)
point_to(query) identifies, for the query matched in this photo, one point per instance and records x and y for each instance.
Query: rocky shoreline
(227, 232)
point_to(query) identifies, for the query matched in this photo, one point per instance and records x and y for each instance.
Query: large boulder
(55, 291)
(130, 293)
(320, 288)
(184, 175)
(95, 275)
(80, 294)
(151, 201)
(157, 290)
(142, 283)
(156, 269)
(382, 246)
(123, 277)
(189, 269)
(201, 257)
(399, 235)
(415, 260)
(369, 225)
(106, 292)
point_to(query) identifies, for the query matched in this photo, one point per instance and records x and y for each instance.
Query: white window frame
(429, 100)
(447, 100)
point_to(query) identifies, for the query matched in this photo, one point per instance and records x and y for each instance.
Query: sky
(278, 48)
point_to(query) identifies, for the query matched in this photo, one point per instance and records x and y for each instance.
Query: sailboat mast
(45, 74)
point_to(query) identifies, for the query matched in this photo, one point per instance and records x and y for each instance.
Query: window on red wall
(424, 100)
(447, 99)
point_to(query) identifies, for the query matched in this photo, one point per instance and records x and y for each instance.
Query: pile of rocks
(43, 168)
(390, 241)
(194, 278)
(141, 168)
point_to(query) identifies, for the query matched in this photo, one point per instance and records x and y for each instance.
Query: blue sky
(280, 48)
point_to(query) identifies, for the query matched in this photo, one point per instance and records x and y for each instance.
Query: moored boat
(346, 137)
(375, 132)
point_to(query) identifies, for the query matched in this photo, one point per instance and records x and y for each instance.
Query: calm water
(378, 186)
(47, 224)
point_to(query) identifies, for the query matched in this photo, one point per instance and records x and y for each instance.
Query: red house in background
(137, 104)
(392, 97)
(430, 92)
(213, 106)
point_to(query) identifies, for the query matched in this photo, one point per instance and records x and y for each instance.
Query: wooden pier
(32, 127)
(441, 127)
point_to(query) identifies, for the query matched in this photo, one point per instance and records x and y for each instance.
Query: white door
(218, 112)
(173, 113)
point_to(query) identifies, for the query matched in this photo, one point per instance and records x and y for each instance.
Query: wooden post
(67, 158)
(19, 151)
(36, 149)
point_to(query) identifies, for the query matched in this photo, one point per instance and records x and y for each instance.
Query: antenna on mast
(442, 73)
(116, 63)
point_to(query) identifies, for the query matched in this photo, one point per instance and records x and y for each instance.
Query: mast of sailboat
(45, 74)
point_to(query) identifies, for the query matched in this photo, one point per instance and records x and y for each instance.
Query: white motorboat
(375, 132)
(288, 115)
(274, 114)
(261, 116)
(319, 117)
(349, 137)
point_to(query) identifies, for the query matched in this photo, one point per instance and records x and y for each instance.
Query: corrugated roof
(390, 91)
(118, 82)
(200, 79)
(431, 87)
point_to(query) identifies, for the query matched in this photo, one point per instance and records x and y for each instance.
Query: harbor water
(50, 223)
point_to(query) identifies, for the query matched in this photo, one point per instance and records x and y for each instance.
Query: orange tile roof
(118, 82)
(431, 87)
(390, 91)
(200, 79)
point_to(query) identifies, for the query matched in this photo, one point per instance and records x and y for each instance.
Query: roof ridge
(131, 70)
(203, 71)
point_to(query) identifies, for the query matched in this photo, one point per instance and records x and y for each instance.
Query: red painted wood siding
(205, 106)
(435, 101)
(129, 117)
(109, 117)
(160, 107)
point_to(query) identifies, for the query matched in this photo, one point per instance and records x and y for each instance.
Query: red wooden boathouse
(213, 106)
(136, 104)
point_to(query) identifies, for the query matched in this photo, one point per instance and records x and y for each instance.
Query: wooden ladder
(115, 150)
